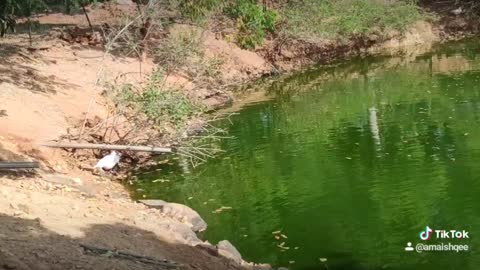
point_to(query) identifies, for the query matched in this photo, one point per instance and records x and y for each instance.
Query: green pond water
(350, 162)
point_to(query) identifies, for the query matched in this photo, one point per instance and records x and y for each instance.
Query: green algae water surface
(350, 163)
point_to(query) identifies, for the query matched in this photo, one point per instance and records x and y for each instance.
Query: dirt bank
(47, 215)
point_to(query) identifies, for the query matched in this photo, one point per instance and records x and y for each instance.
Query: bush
(159, 104)
(253, 22)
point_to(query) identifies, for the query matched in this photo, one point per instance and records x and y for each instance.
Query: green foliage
(198, 9)
(22, 7)
(159, 104)
(343, 18)
(253, 22)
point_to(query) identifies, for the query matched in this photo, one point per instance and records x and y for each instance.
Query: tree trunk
(88, 18)
(29, 31)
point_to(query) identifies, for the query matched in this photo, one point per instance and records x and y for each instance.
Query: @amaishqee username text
(421, 247)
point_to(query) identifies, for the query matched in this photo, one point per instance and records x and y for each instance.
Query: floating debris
(291, 262)
(296, 248)
(211, 200)
(190, 198)
(276, 232)
(277, 237)
(160, 180)
(282, 246)
(283, 236)
(349, 158)
(245, 235)
(323, 259)
(221, 209)
(163, 161)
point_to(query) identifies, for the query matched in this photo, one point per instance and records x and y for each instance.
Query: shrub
(158, 103)
(253, 22)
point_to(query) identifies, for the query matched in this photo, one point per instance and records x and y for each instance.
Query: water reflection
(350, 163)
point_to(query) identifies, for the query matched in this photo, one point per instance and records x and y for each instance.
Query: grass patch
(343, 18)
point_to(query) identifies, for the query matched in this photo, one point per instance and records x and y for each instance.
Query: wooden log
(151, 149)
(19, 165)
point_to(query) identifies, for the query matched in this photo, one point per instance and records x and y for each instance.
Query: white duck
(109, 161)
(457, 11)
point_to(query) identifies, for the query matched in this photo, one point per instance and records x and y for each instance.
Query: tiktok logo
(425, 235)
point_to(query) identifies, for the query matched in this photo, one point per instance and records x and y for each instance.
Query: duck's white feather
(109, 161)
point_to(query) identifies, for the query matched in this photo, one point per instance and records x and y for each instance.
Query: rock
(287, 53)
(61, 179)
(180, 233)
(226, 249)
(457, 24)
(217, 101)
(77, 181)
(212, 250)
(180, 212)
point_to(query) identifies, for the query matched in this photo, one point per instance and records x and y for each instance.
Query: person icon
(409, 247)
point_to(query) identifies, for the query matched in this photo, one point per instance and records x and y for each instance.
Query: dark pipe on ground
(18, 165)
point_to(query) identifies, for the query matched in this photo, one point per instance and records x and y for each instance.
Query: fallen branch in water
(151, 149)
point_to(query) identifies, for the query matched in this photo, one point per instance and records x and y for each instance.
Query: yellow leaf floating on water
(276, 232)
(282, 246)
(221, 209)
(284, 236)
(160, 180)
(323, 259)
(277, 237)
